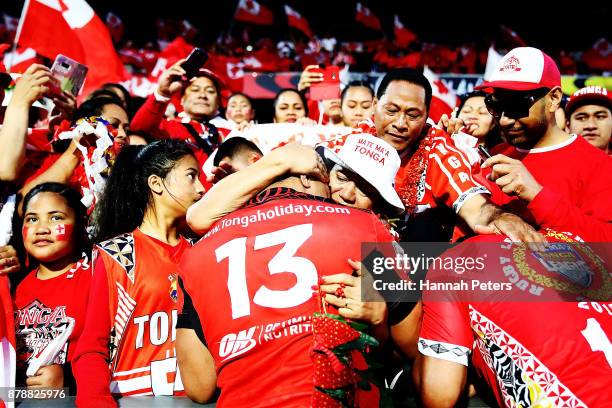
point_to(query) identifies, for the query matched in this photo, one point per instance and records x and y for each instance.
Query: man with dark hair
(435, 180)
(589, 114)
(256, 303)
(200, 124)
(237, 152)
(554, 179)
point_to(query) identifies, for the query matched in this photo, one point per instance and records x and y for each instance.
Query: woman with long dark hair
(130, 330)
(51, 301)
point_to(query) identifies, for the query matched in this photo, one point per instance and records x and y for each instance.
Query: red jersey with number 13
(250, 279)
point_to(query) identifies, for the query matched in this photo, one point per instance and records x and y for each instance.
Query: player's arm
(483, 217)
(195, 362)
(440, 382)
(405, 334)
(235, 190)
(452, 183)
(196, 365)
(444, 346)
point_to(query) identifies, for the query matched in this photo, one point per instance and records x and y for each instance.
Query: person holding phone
(200, 123)
(323, 111)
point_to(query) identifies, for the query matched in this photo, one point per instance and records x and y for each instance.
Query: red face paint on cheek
(62, 232)
(24, 232)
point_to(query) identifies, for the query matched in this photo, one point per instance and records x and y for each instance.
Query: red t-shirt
(41, 309)
(577, 188)
(250, 279)
(544, 353)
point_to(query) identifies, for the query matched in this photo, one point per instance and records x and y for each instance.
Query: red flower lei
(408, 177)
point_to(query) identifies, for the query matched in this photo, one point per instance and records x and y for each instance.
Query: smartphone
(196, 59)
(484, 153)
(69, 73)
(329, 88)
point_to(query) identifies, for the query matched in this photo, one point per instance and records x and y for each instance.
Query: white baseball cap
(374, 160)
(524, 69)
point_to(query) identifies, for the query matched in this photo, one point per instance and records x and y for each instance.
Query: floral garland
(343, 368)
(96, 160)
(409, 177)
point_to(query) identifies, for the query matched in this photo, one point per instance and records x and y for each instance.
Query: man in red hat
(589, 113)
(200, 122)
(553, 179)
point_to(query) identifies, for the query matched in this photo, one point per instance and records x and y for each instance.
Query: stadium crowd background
(142, 213)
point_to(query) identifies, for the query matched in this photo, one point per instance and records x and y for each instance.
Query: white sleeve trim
(160, 98)
(467, 195)
(444, 351)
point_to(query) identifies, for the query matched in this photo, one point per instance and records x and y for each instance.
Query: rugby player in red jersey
(255, 302)
(529, 339)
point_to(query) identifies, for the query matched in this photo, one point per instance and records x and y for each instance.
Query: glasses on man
(514, 105)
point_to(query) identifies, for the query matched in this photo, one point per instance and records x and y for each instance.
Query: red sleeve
(150, 118)
(91, 361)
(556, 212)
(445, 332)
(44, 166)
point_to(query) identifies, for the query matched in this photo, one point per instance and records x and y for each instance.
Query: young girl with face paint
(50, 303)
(128, 347)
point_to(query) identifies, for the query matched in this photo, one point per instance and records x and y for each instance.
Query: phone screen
(329, 88)
(70, 74)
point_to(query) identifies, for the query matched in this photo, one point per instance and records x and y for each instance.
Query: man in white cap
(554, 179)
(589, 113)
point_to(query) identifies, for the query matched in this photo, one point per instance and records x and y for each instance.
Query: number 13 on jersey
(284, 261)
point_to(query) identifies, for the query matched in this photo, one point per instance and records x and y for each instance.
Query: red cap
(524, 69)
(589, 95)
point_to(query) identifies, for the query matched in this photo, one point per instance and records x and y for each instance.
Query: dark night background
(549, 25)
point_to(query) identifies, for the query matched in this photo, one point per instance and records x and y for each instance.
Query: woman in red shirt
(51, 301)
(128, 345)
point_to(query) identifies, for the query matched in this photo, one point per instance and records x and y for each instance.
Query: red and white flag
(367, 18)
(19, 60)
(403, 35)
(177, 49)
(71, 28)
(443, 98)
(295, 20)
(251, 11)
(115, 26)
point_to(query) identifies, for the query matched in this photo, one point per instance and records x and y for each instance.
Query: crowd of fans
(263, 309)
(296, 52)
